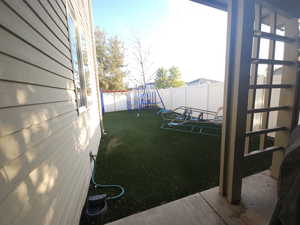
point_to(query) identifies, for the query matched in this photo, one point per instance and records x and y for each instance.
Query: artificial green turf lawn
(156, 166)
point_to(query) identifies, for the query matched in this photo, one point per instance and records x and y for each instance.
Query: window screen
(86, 65)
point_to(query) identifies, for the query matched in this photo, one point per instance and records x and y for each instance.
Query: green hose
(122, 190)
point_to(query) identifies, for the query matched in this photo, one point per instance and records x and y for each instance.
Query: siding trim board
(75, 7)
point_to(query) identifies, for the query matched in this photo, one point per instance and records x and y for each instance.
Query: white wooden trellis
(243, 59)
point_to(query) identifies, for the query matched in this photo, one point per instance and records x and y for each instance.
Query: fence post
(207, 98)
(102, 102)
(115, 108)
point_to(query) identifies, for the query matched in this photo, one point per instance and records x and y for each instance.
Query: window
(85, 47)
(78, 67)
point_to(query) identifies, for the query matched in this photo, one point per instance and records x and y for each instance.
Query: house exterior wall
(44, 141)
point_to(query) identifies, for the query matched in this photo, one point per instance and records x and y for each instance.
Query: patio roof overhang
(290, 6)
(218, 4)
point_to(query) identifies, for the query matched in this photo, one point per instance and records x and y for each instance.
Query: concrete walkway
(209, 208)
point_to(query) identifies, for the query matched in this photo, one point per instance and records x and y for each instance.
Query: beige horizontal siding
(78, 200)
(13, 69)
(40, 183)
(15, 119)
(62, 6)
(48, 7)
(71, 193)
(44, 16)
(16, 94)
(14, 145)
(80, 203)
(22, 29)
(44, 142)
(55, 210)
(55, 171)
(13, 172)
(15, 46)
(23, 10)
(61, 14)
(17, 171)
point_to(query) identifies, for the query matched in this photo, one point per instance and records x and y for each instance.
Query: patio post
(238, 63)
(288, 96)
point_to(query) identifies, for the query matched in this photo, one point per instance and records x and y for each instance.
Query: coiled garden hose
(122, 190)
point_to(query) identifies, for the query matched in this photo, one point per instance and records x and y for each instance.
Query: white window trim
(71, 13)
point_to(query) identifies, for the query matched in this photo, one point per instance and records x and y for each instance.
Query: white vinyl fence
(115, 101)
(206, 96)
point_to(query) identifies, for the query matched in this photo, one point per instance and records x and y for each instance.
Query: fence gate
(262, 60)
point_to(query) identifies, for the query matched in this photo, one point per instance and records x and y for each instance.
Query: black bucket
(96, 209)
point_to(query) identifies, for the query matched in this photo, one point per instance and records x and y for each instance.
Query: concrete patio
(209, 208)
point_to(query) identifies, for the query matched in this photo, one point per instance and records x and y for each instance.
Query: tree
(175, 77)
(168, 78)
(141, 72)
(161, 79)
(110, 59)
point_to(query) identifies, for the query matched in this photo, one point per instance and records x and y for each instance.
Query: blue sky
(118, 17)
(177, 32)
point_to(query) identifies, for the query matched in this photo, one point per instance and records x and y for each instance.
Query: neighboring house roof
(201, 81)
(150, 84)
(113, 91)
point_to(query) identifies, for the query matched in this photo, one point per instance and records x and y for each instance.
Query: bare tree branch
(141, 56)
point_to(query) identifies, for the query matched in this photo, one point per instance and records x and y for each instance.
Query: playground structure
(193, 120)
(187, 119)
(147, 98)
(197, 119)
